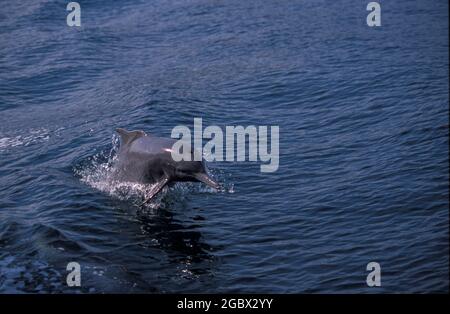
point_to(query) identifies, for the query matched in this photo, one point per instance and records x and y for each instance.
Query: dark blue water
(363, 117)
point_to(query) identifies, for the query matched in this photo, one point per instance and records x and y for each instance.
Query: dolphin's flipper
(127, 137)
(205, 178)
(156, 188)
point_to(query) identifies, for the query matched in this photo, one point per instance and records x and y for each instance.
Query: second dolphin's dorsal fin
(127, 137)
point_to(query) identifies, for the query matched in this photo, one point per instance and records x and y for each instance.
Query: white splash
(97, 173)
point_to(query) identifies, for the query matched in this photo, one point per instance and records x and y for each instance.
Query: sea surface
(364, 135)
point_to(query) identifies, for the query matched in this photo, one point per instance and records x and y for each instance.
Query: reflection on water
(165, 252)
(183, 244)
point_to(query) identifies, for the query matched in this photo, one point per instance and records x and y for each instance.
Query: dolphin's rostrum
(144, 158)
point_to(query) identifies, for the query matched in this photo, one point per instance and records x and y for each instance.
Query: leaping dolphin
(144, 158)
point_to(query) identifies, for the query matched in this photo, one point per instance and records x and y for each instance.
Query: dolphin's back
(151, 145)
(143, 159)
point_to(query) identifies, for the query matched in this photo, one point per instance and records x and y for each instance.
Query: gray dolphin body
(145, 159)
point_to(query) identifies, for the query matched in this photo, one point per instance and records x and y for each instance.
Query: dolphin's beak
(203, 177)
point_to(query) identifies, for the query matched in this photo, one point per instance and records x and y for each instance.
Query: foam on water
(33, 136)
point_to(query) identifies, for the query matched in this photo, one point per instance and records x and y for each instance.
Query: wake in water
(97, 171)
(32, 137)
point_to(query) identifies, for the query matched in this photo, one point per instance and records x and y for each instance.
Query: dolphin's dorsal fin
(127, 137)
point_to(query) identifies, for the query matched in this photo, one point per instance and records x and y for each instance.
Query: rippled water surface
(363, 117)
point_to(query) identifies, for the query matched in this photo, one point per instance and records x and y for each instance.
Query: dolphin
(143, 158)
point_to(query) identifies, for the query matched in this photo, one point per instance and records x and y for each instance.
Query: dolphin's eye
(183, 172)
